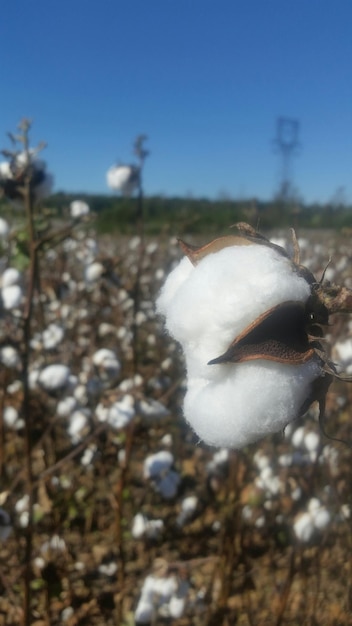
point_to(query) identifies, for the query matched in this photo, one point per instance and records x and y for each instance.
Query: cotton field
(133, 520)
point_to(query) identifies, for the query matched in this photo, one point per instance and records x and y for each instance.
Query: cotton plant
(127, 178)
(22, 167)
(311, 522)
(158, 469)
(161, 596)
(79, 208)
(250, 320)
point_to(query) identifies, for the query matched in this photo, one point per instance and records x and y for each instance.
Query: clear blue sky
(205, 80)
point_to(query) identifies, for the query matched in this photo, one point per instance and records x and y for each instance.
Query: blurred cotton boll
(54, 377)
(5, 525)
(78, 208)
(13, 175)
(232, 305)
(4, 228)
(123, 178)
(93, 271)
(11, 297)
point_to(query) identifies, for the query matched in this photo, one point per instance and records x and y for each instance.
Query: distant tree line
(177, 215)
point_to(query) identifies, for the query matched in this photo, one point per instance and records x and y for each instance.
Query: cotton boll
(9, 356)
(121, 412)
(93, 272)
(4, 228)
(123, 178)
(88, 455)
(142, 527)
(253, 400)
(11, 297)
(12, 177)
(168, 484)
(225, 303)
(322, 518)
(312, 442)
(188, 509)
(208, 305)
(22, 504)
(108, 569)
(11, 418)
(66, 406)
(78, 422)
(107, 363)
(298, 437)
(156, 464)
(10, 276)
(52, 336)
(54, 377)
(78, 208)
(152, 409)
(176, 607)
(304, 527)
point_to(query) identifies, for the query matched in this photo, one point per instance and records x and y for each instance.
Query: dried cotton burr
(249, 319)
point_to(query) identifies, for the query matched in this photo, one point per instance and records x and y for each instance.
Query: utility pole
(286, 142)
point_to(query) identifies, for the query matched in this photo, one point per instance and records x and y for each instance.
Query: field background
(236, 559)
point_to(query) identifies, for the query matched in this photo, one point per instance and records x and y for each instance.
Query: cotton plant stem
(119, 501)
(137, 295)
(27, 322)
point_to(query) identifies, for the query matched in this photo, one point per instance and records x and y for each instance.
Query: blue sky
(205, 80)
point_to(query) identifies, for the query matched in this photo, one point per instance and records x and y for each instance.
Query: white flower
(78, 208)
(123, 178)
(227, 290)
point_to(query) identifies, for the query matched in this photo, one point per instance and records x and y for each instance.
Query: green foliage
(177, 215)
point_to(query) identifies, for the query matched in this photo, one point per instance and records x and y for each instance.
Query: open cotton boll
(123, 178)
(54, 377)
(9, 356)
(78, 208)
(4, 228)
(93, 272)
(10, 276)
(207, 306)
(212, 301)
(158, 463)
(253, 400)
(12, 177)
(11, 297)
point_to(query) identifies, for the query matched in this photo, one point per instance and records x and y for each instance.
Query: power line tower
(287, 143)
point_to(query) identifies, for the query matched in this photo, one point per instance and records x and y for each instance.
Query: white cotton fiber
(253, 400)
(206, 307)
